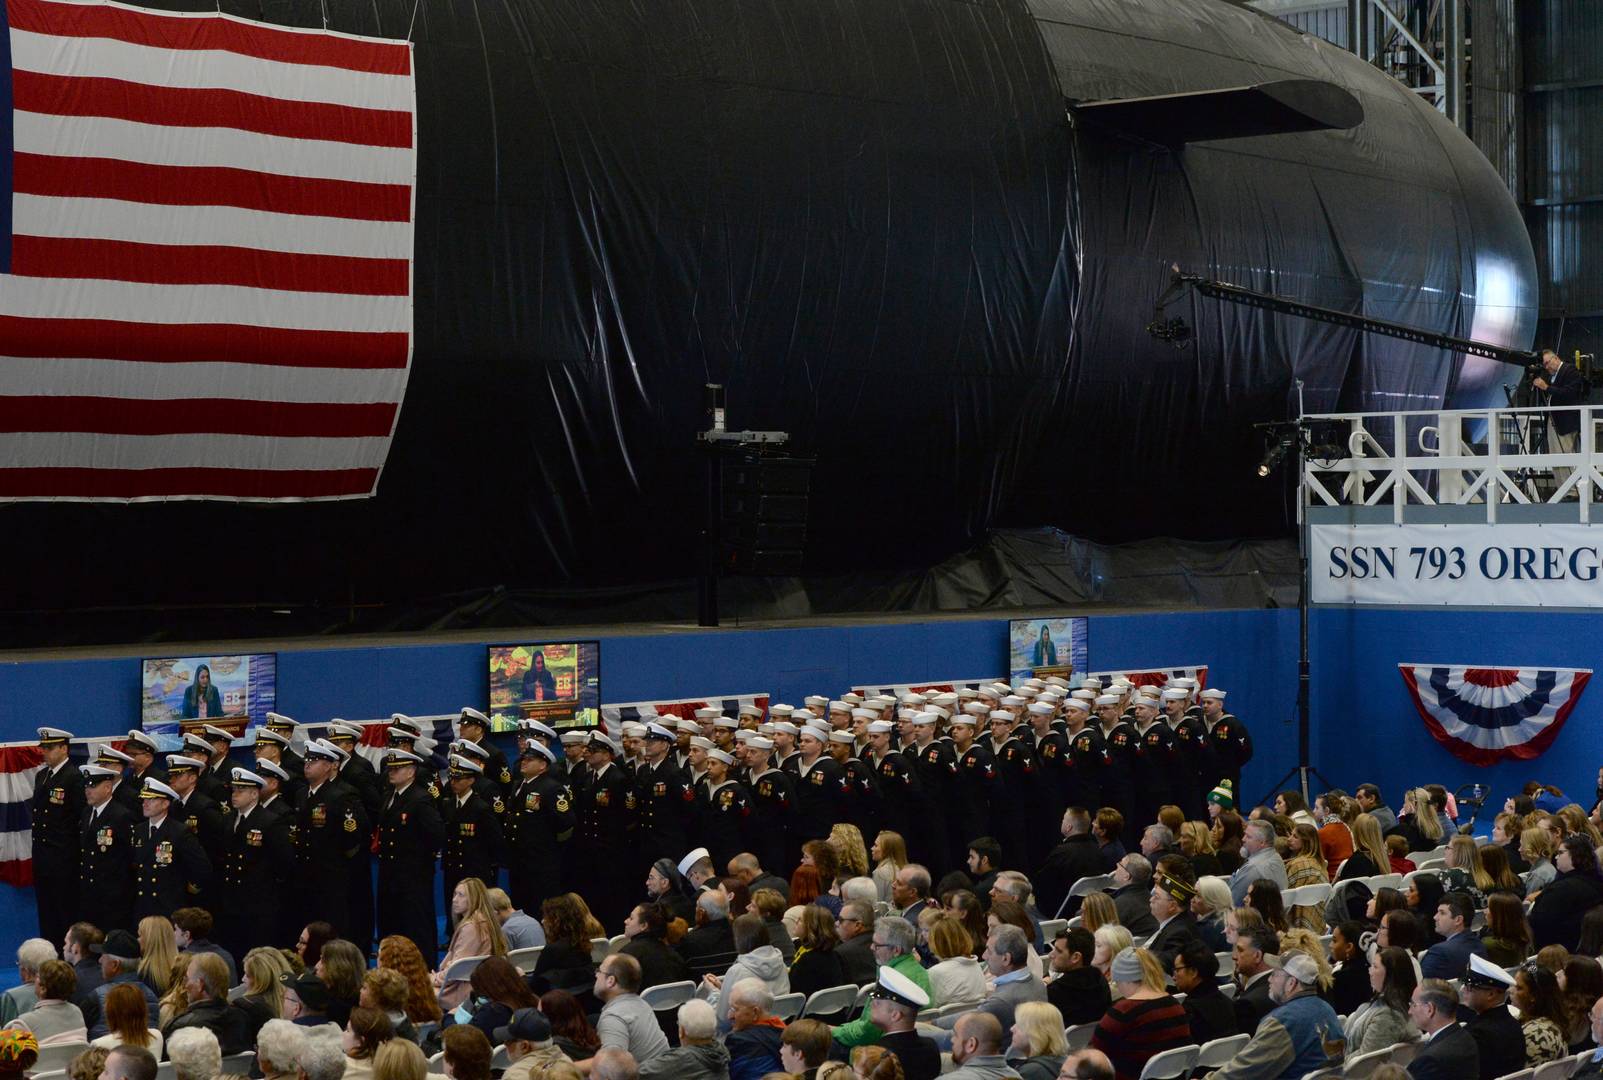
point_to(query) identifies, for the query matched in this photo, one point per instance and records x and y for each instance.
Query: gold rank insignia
(192, 823)
(629, 801)
(506, 776)
(562, 803)
(434, 790)
(350, 821)
(497, 805)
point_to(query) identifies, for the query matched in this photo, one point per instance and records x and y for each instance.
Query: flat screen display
(558, 683)
(232, 692)
(1041, 647)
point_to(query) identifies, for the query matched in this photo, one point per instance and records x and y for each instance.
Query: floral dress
(1544, 1042)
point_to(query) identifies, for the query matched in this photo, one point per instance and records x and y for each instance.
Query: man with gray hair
(1007, 968)
(894, 940)
(755, 959)
(196, 1055)
(1132, 879)
(119, 963)
(860, 888)
(710, 946)
(129, 1063)
(699, 1055)
(278, 1049)
(31, 955)
(910, 891)
(754, 1040)
(1262, 861)
(855, 927)
(1014, 885)
(977, 1047)
(322, 1056)
(1156, 842)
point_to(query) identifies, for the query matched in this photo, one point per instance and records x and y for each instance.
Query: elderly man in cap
(605, 876)
(539, 822)
(57, 814)
(1501, 1039)
(409, 833)
(529, 1046)
(1290, 1041)
(258, 861)
(1170, 905)
(330, 826)
(106, 859)
(119, 964)
(665, 803)
(891, 1019)
(472, 826)
(170, 866)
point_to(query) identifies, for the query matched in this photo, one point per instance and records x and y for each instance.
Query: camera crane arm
(1177, 331)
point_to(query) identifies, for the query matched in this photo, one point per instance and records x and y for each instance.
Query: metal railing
(1490, 459)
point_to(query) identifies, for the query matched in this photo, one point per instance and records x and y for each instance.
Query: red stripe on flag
(183, 185)
(170, 31)
(107, 339)
(178, 107)
(156, 483)
(188, 416)
(190, 264)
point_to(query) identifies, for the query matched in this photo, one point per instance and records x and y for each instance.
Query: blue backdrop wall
(1364, 724)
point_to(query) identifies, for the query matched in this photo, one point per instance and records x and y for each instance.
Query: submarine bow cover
(882, 229)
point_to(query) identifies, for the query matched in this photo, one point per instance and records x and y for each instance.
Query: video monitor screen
(231, 692)
(1041, 647)
(556, 683)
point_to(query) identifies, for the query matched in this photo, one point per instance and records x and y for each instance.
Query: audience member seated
(1556, 915)
(1385, 1018)
(646, 927)
(571, 1029)
(804, 1047)
(893, 1007)
(958, 978)
(855, 925)
(1209, 1014)
(365, 1031)
(626, 1022)
(1450, 959)
(529, 1046)
(565, 962)
(1350, 975)
(1076, 857)
(755, 959)
(1036, 1047)
(1332, 812)
(54, 1018)
(1077, 990)
(477, 933)
(192, 927)
(128, 1022)
(894, 939)
(1143, 1019)
(278, 1049)
(1252, 1002)
(710, 947)
(1132, 881)
(816, 965)
(119, 964)
(1448, 1051)
(195, 1053)
(699, 1055)
(522, 930)
(910, 891)
(664, 887)
(1170, 907)
(751, 874)
(468, 1053)
(1306, 866)
(1261, 861)
(399, 954)
(1290, 1041)
(977, 1044)
(1495, 1031)
(1541, 1004)
(1007, 953)
(386, 991)
(305, 999)
(206, 985)
(499, 990)
(1210, 906)
(754, 1037)
(769, 906)
(31, 954)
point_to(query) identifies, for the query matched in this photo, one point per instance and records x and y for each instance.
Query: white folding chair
(1364, 1064)
(166, 1071)
(788, 1006)
(463, 969)
(1227, 963)
(1085, 887)
(665, 996)
(600, 949)
(1171, 1064)
(58, 1055)
(1554, 1070)
(1306, 896)
(500, 1061)
(526, 959)
(1079, 1036)
(616, 943)
(437, 1064)
(53, 1074)
(831, 1001)
(862, 996)
(1228, 988)
(1050, 929)
(1218, 1052)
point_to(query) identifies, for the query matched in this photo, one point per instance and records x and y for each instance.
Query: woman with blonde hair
(1038, 1047)
(176, 999)
(399, 1059)
(889, 855)
(157, 950)
(259, 975)
(477, 933)
(399, 953)
(1369, 856)
(1418, 821)
(1098, 911)
(1306, 867)
(1575, 820)
(1241, 920)
(1463, 871)
(876, 1063)
(958, 978)
(850, 850)
(1307, 942)
(1196, 844)
(1110, 941)
(1536, 848)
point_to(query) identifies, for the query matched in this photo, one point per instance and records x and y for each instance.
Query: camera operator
(1563, 386)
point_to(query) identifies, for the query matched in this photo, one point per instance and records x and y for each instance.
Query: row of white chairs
(54, 1059)
(1552, 1070)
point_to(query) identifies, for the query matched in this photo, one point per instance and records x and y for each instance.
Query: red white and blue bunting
(1484, 715)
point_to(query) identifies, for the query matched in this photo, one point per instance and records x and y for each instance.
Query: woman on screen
(201, 699)
(1046, 653)
(538, 683)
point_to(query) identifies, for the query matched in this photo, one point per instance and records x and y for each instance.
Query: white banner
(1457, 565)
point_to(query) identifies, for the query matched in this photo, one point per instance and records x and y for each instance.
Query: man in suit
(57, 814)
(1131, 896)
(710, 947)
(1449, 958)
(855, 925)
(105, 867)
(1497, 1034)
(1564, 389)
(409, 833)
(1078, 856)
(1252, 1001)
(1448, 1052)
(910, 891)
(1170, 905)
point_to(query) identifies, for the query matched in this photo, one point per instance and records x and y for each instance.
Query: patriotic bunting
(1484, 715)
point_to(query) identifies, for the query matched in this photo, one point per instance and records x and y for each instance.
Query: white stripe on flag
(24, 376)
(16, 846)
(92, 450)
(129, 301)
(107, 58)
(158, 144)
(227, 226)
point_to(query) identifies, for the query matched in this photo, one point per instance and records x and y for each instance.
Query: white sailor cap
(765, 729)
(317, 748)
(544, 729)
(815, 701)
(197, 742)
(976, 708)
(906, 714)
(726, 722)
(840, 706)
(1058, 681)
(1215, 694)
(758, 742)
(852, 699)
(881, 700)
(967, 693)
(722, 755)
(813, 731)
(468, 746)
(138, 740)
(339, 729)
(689, 727)
(634, 730)
(600, 740)
(864, 714)
(1041, 708)
(1002, 687)
(181, 762)
(1077, 703)
(1483, 974)
(93, 773)
(1091, 682)
(272, 768)
(155, 789)
(944, 714)
(924, 718)
(780, 710)
(879, 727)
(915, 700)
(1034, 684)
(246, 778)
(745, 735)
(1001, 714)
(931, 694)
(708, 714)
(784, 727)
(894, 986)
(400, 719)
(538, 749)
(473, 716)
(947, 699)
(657, 731)
(571, 738)
(1083, 695)
(1013, 701)
(966, 718)
(646, 715)
(464, 767)
(694, 856)
(842, 737)
(803, 716)
(1107, 699)
(214, 733)
(698, 742)
(1123, 683)
(751, 708)
(403, 734)
(1175, 693)
(395, 757)
(1028, 693)
(109, 754)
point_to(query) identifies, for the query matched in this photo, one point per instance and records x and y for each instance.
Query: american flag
(205, 255)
